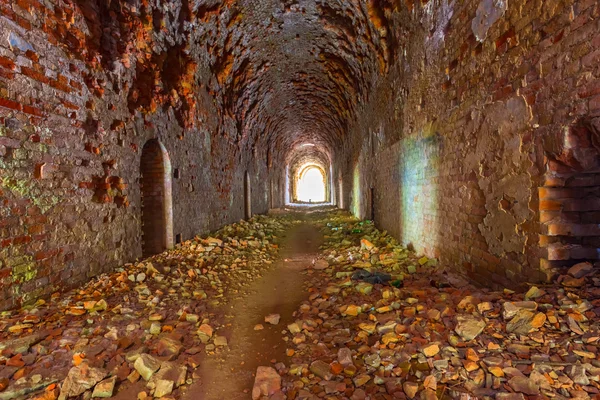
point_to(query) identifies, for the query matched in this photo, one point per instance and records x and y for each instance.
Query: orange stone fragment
(538, 320)
(493, 346)
(470, 365)
(19, 374)
(89, 305)
(15, 361)
(472, 355)
(337, 368)
(78, 358)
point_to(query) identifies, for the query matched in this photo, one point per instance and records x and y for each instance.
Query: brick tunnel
(413, 187)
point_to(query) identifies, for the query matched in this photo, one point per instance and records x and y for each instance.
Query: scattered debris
(320, 264)
(144, 321)
(375, 277)
(435, 336)
(272, 319)
(378, 322)
(267, 383)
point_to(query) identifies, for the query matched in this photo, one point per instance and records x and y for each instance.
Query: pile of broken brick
(433, 335)
(149, 322)
(379, 323)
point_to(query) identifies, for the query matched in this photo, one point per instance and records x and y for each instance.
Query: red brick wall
(467, 127)
(83, 86)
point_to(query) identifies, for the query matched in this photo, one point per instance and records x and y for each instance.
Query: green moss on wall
(29, 190)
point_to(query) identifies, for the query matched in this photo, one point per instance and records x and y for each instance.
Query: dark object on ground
(371, 277)
(397, 283)
(439, 284)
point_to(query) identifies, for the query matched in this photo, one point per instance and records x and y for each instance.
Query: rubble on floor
(151, 321)
(434, 336)
(379, 322)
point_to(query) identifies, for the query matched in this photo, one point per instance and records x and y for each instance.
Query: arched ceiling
(306, 65)
(305, 153)
(278, 72)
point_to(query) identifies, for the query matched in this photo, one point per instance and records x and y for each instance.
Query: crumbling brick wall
(83, 86)
(466, 113)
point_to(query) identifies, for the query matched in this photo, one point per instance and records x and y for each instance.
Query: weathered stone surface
(534, 292)
(169, 372)
(80, 379)
(205, 332)
(169, 348)
(469, 327)
(524, 385)
(578, 374)
(510, 309)
(431, 350)
(580, 270)
(525, 321)
(410, 389)
(146, 366)
(164, 387)
(364, 287)
(294, 328)
(105, 388)
(22, 345)
(344, 356)
(266, 383)
(273, 319)
(321, 369)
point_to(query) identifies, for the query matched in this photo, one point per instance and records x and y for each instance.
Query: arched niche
(157, 199)
(247, 196)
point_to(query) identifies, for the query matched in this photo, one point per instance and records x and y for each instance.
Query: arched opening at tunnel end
(308, 176)
(310, 185)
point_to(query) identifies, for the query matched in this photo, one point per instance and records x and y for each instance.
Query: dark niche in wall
(570, 197)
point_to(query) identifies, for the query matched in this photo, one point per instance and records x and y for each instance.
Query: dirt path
(279, 291)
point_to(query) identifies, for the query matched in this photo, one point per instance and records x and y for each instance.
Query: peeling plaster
(488, 12)
(501, 163)
(436, 19)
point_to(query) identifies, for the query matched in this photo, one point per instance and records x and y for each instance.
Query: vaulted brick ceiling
(311, 62)
(280, 72)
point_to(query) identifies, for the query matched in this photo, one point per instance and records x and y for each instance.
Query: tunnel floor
(302, 305)
(254, 342)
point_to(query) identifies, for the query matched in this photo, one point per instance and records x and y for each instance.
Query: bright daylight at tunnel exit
(299, 199)
(311, 185)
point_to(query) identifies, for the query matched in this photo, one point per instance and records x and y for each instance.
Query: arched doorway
(247, 196)
(271, 193)
(340, 193)
(372, 202)
(157, 202)
(310, 185)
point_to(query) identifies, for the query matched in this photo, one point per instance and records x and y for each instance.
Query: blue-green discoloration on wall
(419, 168)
